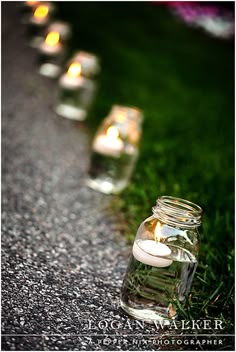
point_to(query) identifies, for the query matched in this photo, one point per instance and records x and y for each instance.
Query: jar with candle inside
(77, 86)
(37, 18)
(52, 50)
(115, 150)
(163, 261)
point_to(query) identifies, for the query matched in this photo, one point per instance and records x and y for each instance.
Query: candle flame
(157, 232)
(41, 11)
(74, 70)
(112, 132)
(52, 38)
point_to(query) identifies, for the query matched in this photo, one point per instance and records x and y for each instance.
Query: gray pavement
(62, 258)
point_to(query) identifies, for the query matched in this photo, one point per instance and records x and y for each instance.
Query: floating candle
(151, 252)
(51, 44)
(72, 78)
(52, 38)
(40, 14)
(74, 70)
(110, 143)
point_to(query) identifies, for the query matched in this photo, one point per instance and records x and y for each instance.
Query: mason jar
(77, 86)
(37, 18)
(52, 50)
(115, 150)
(163, 260)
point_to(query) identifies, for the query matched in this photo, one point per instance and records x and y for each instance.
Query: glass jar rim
(178, 211)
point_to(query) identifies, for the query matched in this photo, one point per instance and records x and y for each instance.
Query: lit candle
(40, 15)
(110, 143)
(72, 78)
(38, 19)
(51, 44)
(152, 252)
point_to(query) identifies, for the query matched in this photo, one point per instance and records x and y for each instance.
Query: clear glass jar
(37, 19)
(163, 260)
(77, 86)
(52, 50)
(115, 150)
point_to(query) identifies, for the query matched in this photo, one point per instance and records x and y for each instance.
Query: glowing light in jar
(112, 133)
(74, 70)
(41, 12)
(109, 143)
(52, 38)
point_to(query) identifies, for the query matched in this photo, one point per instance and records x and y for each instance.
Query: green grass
(182, 79)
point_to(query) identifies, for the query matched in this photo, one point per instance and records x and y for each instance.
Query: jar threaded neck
(177, 212)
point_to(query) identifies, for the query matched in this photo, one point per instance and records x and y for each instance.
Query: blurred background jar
(163, 260)
(38, 15)
(115, 150)
(53, 49)
(77, 86)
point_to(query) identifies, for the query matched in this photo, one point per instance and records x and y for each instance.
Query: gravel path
(62, 258)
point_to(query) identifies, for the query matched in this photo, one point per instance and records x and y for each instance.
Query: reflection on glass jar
(163, 260)
(77, 86)
(52, 49)
(115, 150)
